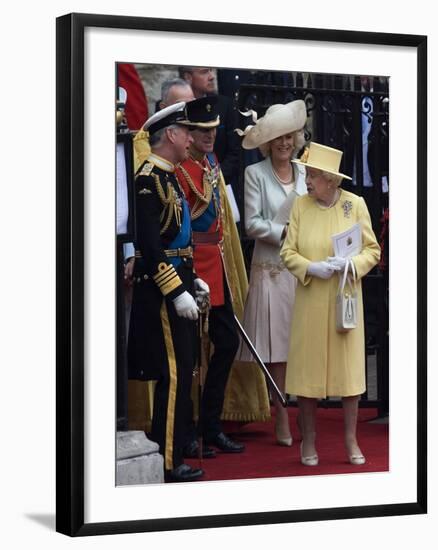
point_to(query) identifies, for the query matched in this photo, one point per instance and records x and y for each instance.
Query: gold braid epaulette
(144, 170)
(170, 202)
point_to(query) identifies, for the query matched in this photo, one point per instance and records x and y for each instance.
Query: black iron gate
(350, 113)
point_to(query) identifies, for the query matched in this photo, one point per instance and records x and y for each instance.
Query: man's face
(203, 139)
(202, 81)
(181, 139)
(178, 93)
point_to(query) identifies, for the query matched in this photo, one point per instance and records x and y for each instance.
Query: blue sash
(182, 240)
(211, 159)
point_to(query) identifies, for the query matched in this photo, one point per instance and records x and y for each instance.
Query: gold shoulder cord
(170, 202)
(212, 175)
(202, 199)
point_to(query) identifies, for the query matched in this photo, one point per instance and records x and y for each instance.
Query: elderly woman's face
(317, 184)
(282, 147)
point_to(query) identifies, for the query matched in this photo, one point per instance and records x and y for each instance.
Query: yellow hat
(323, 158)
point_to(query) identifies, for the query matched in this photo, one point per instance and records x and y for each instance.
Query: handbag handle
(346, 277)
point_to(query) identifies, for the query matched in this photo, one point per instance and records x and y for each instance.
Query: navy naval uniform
(161, 345)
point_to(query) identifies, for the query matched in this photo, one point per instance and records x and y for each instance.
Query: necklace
(335, 198)
(284, 182)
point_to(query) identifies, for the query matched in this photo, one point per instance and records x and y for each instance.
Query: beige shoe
(355, 455)
(312, 460)
(357, 460)
(283, 441)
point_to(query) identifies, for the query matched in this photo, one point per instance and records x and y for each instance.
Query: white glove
(202, 290)
(186, 306)
(337, 261)
(323, 270)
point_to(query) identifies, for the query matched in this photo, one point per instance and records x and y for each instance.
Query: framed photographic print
(355, 86)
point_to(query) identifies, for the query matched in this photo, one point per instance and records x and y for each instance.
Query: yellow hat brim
(323, 169)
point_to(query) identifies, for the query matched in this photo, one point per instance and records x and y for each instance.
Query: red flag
(136, 109)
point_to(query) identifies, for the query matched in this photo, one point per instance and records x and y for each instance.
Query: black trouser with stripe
(172, 391)
(224, 336)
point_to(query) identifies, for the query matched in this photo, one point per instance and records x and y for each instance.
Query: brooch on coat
(347, 206)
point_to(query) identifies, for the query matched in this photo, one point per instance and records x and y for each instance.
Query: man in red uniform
(226, 145)
(199, 177)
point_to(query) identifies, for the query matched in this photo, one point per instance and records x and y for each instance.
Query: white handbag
(346, 299)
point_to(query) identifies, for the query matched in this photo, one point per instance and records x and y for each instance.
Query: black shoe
(183, 472)
(192, 451)
(225, 444)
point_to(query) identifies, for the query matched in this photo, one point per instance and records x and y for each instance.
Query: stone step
(138, 459)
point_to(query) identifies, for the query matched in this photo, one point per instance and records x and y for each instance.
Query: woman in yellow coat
(323, 362)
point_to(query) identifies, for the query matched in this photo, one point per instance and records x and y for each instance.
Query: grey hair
(299, 141)
(168, 84)
(333, 178)
(156, 138)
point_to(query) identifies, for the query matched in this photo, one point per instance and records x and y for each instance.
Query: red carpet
(263, 458)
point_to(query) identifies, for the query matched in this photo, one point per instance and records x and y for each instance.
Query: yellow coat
(323, 362)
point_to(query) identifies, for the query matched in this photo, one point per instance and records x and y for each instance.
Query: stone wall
(152, 76)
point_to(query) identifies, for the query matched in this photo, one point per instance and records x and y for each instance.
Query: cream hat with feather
(278, 120)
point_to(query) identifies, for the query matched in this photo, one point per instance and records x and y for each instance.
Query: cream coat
(323, 362)
(271, 288)
(263, 197)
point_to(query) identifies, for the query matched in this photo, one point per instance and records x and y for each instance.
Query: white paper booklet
(233, 203)
(349, 242)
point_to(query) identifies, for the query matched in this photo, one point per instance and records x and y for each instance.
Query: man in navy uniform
(162, 328)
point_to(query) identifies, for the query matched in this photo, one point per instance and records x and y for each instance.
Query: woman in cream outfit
(322, 361)
(271, 186)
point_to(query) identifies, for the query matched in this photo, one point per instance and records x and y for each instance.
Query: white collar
(161, 162)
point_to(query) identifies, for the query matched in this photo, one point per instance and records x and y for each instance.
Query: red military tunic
(206, 221)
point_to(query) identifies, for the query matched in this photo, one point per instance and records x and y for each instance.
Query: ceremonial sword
(260, 362)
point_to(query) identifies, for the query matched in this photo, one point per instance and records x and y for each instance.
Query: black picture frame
(70, 273)
(128, 236)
